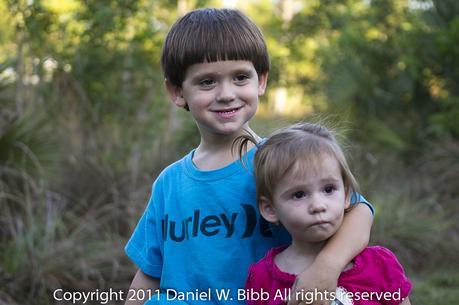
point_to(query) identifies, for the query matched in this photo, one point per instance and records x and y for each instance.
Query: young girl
(304, 184)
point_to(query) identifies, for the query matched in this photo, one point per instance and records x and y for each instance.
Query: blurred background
(85, 127)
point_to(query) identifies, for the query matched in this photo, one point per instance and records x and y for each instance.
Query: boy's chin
(235, 129)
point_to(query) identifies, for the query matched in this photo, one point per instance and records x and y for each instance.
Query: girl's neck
(298, 256)
(217, 151)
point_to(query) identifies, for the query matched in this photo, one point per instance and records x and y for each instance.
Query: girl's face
(310, 201)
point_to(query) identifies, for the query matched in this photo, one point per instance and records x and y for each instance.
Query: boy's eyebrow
(247, 71)
(200, 75)
(204, 74)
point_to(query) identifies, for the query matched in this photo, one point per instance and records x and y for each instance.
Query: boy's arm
(351, 238)
(144, 282)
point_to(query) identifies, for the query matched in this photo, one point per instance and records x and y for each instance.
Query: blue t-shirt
(200, 232)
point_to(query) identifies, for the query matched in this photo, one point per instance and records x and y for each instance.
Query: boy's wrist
(330, 263)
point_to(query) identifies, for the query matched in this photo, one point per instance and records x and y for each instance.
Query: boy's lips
(227, 113)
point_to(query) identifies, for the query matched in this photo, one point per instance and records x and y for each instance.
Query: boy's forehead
(218, 67)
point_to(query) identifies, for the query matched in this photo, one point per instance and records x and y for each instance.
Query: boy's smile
(222, 96)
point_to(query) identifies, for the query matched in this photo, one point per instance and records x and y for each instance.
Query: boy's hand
(315, 284)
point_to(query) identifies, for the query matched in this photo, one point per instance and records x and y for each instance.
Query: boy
(201, 229)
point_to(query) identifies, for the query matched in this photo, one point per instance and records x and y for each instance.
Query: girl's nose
(316, 205)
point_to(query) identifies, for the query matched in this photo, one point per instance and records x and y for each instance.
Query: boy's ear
(267, 210)
(175, 93)
(262, 81)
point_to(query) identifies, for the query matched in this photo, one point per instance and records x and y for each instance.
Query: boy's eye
(241, 77)
(206, 82)
(298, 195)
(329, 189)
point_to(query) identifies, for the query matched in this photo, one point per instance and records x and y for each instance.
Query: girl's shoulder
(378, 260)
(382, 264)
(377, 269)
(374, 263)
(378, 253)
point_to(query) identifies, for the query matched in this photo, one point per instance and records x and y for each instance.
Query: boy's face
(222, 96)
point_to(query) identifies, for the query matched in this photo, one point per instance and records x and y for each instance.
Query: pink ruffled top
(375, 278)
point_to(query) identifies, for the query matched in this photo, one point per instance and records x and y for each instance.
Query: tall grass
(67, 230)
(52, 238)
(416, 212)
(47, 245)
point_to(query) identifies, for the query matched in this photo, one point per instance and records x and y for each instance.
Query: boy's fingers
(291, 298)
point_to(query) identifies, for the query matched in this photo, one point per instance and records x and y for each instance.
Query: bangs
(307, 158)
(304, 166)
(217, 39)
(211, 35)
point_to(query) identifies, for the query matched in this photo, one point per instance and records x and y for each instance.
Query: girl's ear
(347, 202)
(267, 210)
(262, 81)
(175, 94)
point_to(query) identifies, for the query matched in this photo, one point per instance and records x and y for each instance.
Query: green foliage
(24, 144)
(435, 286)
(394, 73)
(46, 244)
(396, 228)
(85, 126)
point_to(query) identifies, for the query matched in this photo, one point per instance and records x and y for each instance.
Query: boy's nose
(226, 93)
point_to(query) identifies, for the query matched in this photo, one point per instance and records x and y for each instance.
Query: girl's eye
(329, 189)
(298, 195)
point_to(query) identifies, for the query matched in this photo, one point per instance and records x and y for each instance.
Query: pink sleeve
(392, 277)
(251, 283)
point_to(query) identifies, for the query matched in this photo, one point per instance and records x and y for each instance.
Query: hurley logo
(210, 225)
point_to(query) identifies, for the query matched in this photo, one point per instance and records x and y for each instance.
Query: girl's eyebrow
(330, 179)
(296, 186)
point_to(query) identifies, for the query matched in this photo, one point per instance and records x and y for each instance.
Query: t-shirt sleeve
(358, 198)
(393, 278)
(144, 247)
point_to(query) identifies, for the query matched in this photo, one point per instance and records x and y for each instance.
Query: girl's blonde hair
(280, 154)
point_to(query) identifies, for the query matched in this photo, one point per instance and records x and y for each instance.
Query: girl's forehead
(315, 166)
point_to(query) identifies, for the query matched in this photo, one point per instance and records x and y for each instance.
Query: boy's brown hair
(209, 35)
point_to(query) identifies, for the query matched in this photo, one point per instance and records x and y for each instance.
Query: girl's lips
(319, 223)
